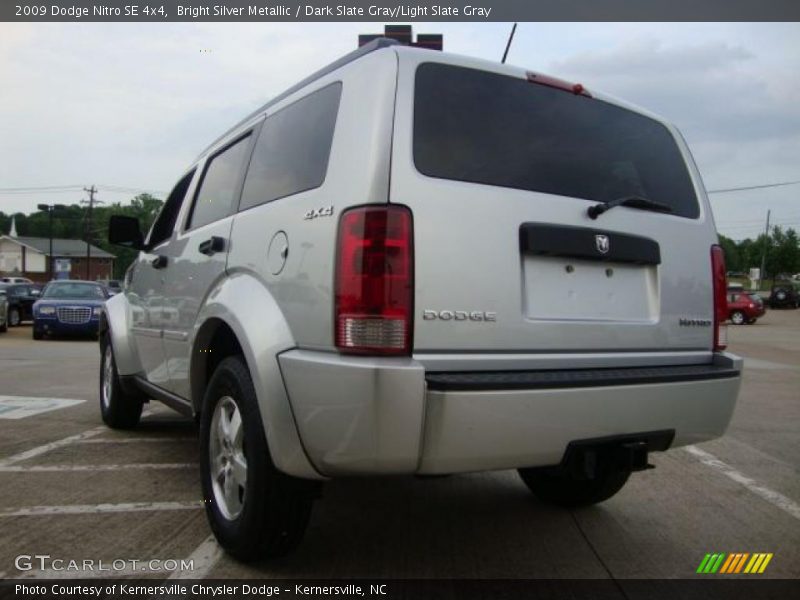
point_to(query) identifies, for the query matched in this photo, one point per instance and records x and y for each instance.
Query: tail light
(720, 284)
(374, 283)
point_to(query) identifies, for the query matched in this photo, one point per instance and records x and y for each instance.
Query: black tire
(14, 318)
(37, 334)
(4, 326)
(738, 318)
(119, 408)
(267, 516)
(554, 486)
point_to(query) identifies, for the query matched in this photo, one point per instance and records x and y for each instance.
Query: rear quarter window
(481, 127)
(293, 148)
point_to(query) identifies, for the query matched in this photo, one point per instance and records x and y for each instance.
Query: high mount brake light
(374, 283)
(559, 84)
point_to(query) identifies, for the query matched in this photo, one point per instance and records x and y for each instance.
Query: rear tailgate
(499, 173)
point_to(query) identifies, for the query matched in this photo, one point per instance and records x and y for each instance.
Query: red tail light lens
(720, 284)
(374, 283)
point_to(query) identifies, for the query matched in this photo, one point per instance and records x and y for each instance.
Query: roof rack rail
(372, 46)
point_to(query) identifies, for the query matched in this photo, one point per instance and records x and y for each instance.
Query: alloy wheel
(227, 458)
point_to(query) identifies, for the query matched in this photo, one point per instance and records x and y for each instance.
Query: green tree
(69, 222)
(733, 259)
(783, 255)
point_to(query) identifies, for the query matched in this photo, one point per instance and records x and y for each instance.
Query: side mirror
(125, 231)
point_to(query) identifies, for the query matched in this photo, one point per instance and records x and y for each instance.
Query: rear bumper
(372, 416)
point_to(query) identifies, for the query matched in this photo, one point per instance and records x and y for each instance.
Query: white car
(15, 280)
(415, 262)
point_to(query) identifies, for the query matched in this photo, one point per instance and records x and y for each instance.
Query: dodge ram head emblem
(602, 243)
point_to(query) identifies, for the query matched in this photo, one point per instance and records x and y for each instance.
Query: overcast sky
(131, 105)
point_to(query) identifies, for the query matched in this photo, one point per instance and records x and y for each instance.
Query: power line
(43, 187)
(752, 187)
(64, 189)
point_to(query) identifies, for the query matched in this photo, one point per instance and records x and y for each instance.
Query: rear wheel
(13, 317)
(556, 486)
(253, 509)
(738, 318)
(119, 409)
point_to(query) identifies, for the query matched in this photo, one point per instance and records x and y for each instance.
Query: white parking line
(45, 448)
(204, 558)
(81, 509)
(776, 498)
(123, 467)
(128, 572)
(136, 440)
(39, 450)
(21, 407)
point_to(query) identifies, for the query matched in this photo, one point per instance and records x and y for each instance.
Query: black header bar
(398, 11)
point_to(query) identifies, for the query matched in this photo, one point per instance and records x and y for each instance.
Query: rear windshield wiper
(630, 201)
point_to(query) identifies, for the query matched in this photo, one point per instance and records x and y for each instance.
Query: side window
(165, 222)
(215, 198)
(292, 151)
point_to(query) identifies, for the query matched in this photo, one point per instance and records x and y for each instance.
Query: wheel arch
(115, 321)
(240, 316)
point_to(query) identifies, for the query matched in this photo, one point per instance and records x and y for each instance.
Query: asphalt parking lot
(74, 490)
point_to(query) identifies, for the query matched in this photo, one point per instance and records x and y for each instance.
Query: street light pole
(50, 208)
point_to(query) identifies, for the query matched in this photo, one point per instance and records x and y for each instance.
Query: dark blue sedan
(68, 308)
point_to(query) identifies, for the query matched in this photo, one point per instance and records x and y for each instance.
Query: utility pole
(91, 202)
(766, 245)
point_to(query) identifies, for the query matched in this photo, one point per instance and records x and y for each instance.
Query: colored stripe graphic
(715, 567)
(765, 563)
(741, 562)
(703, 563)
(728, 564)
(734, 563)
(752, 563)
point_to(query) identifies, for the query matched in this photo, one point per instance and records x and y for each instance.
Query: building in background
(27, 257)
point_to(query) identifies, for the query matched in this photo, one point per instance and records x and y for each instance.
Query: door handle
(212, 245)
(159, 262)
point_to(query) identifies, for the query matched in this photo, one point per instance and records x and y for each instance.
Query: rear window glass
(481, 127)
(292, 151)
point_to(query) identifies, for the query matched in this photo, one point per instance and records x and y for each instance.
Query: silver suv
(413, 262)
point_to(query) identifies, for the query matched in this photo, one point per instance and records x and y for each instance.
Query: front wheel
(555, 486)
(119, 409)
(253, 509)
(738, 318)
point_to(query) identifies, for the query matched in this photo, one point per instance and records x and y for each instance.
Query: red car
(744, 307)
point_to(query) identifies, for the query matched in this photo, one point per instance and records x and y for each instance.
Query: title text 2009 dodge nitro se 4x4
(415, 262)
